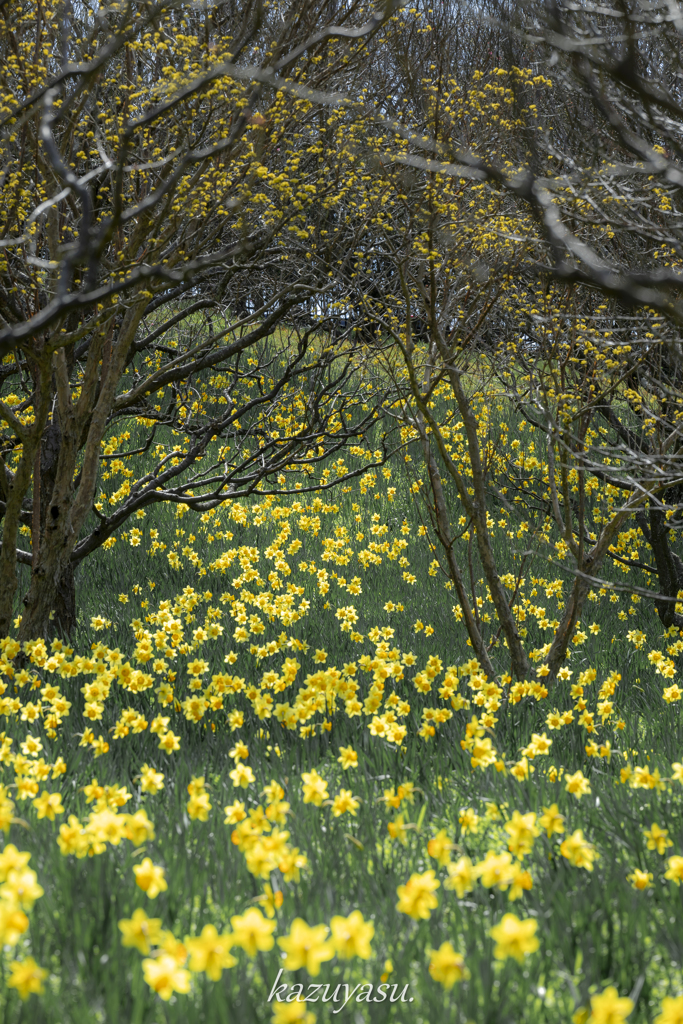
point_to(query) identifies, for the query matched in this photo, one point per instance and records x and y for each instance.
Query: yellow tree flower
(351, 936)
(305, 946)
(514, 937)
(140, 931)
(416, 898)
(150, 878)
(446, 966)
(252, 932)
(210, 952)
(609, 1007)
(26, 977)
(164, 976)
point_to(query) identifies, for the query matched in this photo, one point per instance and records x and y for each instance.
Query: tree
(158, 231)
(546, 247)
(441, 269)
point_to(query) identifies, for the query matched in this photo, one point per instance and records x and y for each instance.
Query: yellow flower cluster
(19, 890)
(210, 952)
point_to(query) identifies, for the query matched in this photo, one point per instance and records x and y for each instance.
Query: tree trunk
(16, 488)
(65, 603)
(519, 663)
(50, 605)
(668, 564)
(445, 536)
(68, 484)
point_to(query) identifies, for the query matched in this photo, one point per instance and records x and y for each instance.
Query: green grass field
(259, 643)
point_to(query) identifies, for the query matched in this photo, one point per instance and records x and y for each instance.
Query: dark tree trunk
(64, 618)
(668, 564)
(48, 616)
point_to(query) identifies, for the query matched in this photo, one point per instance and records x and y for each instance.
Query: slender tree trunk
(519, 663)
(669, 565)
(445, 535)
(581, 586)
(475, 505)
